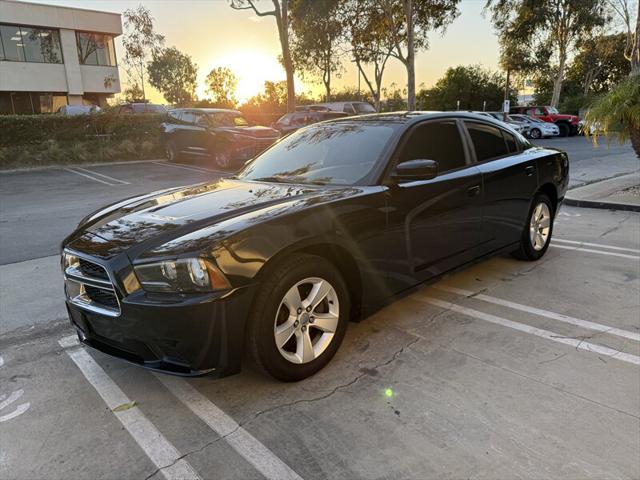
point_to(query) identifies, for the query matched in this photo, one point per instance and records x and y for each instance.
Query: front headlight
(185, 275)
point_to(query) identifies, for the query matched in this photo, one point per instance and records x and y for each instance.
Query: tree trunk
(557, 83)
(411, 72)
(635, 52)
(634, 135)
(282, 20)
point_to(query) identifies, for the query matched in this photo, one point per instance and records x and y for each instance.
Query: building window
(27, 44)
(26, 103)
(96, 49)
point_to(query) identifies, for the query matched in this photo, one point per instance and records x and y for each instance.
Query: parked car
(567, 124)
(537, 128)
(291, 122)
(499, 116)
(142, 108)
(73, 110)
(328, 225)
(352, 108)
(220, 134)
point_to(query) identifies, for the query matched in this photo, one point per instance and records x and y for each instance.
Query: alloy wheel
(540, 226)
(535, 133)
(306, 320)
(222, 159)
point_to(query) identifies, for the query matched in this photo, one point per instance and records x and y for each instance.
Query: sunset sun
(251, 67)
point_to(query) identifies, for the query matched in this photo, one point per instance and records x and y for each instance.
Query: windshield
(224, 119)
(341, 153)
(552, 110)
(362, 107)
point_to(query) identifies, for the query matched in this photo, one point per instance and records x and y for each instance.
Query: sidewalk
(619, 193)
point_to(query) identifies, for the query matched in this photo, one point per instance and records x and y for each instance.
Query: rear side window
(487, 140)
(439, 141)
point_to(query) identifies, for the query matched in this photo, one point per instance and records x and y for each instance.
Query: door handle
(529, 170)
(473, 191)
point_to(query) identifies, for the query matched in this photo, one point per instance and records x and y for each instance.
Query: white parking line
(543, 313)
(193, 168)
(159, 450)
(91, 172)
(90, 177)
(587, 244)
(258, 455)
(599, 252)
(574, 342)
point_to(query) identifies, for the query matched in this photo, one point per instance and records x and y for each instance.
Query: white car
(352, 108)
(537, 128)
(73, 110)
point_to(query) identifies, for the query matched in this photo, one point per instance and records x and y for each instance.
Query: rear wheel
(538, 229)
(299, 318)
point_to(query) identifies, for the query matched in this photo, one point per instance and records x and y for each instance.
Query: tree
(472, 86)
(408, 25)
(317, 33)
(140, 41)
(281, 14)
(133, 94)
(174, 74)
(370, 43)
(221, 83)
(553, 26)
(600, 63)
(622, 10)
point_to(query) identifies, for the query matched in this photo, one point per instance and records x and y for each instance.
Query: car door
(509, 177)
(434, 225)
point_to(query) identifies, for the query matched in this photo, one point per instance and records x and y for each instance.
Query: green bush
(35, 140)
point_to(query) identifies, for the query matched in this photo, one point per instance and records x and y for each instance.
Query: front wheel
(535, 133)
(538, 229)
(299, 318)
(222, 159)
(564, 129)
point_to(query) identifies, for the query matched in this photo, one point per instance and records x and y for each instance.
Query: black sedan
(222, 135)
(326, 226)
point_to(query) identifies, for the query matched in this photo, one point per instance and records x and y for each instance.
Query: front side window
(363, 107)
(487, 140)
(25, 44)
(225, 119)
(439, 141)
(96, 49)
(339, 153)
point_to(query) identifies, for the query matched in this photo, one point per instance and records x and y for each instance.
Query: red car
(567, 124)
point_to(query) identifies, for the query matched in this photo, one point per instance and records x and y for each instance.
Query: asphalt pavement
(505, 370)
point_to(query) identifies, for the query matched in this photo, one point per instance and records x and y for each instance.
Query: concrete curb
(628, 207)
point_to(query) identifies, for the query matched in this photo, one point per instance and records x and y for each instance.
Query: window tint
(487, 140)
(512, 144)
(439, 141)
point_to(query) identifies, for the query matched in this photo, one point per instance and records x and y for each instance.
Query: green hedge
(35, 140)
(33, 129)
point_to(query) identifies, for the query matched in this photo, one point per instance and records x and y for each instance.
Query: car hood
(256, 131)
(152, 220)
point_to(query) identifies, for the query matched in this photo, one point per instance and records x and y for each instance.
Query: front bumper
(196, 336)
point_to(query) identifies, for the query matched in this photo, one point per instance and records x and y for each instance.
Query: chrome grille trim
(76, 283)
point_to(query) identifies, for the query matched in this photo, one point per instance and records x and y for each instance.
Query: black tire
(261, 343)
(535, 133)
(564, 129)
(171, 151)
(526, 250)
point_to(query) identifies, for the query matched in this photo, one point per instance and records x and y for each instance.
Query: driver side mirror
(412, 170)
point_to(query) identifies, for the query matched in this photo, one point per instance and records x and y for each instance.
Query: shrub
(34, 140)
(617, 113)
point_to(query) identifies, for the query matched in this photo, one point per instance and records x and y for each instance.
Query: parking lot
(504, 370)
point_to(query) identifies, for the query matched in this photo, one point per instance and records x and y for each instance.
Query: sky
(214, 34)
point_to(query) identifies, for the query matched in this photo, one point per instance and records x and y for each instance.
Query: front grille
(88, 285)
(91, 269)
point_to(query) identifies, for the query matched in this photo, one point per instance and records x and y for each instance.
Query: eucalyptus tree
(173, 74)
(553, 28)
(280, 12)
